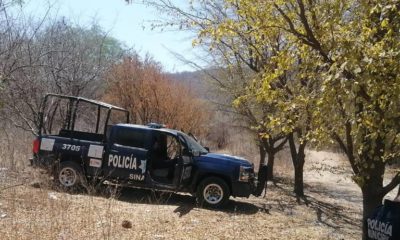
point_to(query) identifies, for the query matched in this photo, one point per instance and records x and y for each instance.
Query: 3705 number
(71, 147)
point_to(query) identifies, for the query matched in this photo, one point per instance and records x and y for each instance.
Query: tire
(69, 175)
(212, 192)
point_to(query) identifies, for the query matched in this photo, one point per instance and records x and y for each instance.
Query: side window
(131, 138)
(173, 147)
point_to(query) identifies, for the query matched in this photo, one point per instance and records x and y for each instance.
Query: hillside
(195, 81)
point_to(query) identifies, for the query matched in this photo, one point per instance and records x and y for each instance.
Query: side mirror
(190, 153)
(195, 153)
(207, 148)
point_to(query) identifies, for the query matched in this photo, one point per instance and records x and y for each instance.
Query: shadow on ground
(327, 212)
(184, 202)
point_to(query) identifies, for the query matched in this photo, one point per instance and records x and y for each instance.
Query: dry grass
(32, 211)
(15, 147)
(30, 207)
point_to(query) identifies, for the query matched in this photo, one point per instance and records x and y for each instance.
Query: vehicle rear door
(126, 157)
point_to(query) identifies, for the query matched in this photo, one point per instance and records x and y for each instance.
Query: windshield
(192, 144)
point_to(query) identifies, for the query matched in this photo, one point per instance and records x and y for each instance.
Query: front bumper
(242, 189)
(254, 186)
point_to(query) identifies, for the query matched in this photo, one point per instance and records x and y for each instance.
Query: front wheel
(213, 192)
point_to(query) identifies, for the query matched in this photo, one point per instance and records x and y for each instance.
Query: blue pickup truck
(140, 156)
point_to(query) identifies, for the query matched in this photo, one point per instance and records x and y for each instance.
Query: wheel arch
(70, 159)
(74, 159)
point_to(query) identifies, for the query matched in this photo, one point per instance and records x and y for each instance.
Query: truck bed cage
(73, 107)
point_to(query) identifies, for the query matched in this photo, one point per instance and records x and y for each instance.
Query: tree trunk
(262, 156)
(372, 192)
(298, 159)
(271, 160)
(371, 200)
(298, 177)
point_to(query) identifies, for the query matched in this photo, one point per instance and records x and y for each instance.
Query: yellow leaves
(368, 123)
(323, 73)
(275, 122)
(264, 135)
(287, 129)
(357, 70)
(195, 42)
(238, 101)
(385, 23)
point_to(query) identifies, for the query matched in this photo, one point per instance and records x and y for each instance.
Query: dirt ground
(331, 210)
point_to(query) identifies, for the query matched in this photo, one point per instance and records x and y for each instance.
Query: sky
(129, 23)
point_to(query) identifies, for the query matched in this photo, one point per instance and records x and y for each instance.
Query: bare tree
(57, 57)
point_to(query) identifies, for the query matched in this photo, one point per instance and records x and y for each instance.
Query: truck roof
(137, 126)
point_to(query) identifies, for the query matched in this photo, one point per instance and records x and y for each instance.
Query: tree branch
(390, 186)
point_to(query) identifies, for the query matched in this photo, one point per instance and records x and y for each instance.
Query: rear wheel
(70, 175)
(213, 192)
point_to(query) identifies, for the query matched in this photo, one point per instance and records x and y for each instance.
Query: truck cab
(143, 156)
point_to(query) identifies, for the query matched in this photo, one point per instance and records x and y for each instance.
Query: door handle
(114, 151)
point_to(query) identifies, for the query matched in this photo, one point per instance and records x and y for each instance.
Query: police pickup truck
(140, 156)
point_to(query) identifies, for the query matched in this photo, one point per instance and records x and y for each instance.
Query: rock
(35, 185)
(52, 196)
(126, 224)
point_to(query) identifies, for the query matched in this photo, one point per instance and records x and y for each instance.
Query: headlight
(245, 173)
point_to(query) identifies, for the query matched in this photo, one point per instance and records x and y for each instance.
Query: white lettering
(379, 230)
(70, 147)
(120, 163)
(110, 160)
(389, 230)
(134, 164)
(136, 177)
(115, 161)
(127, 162)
